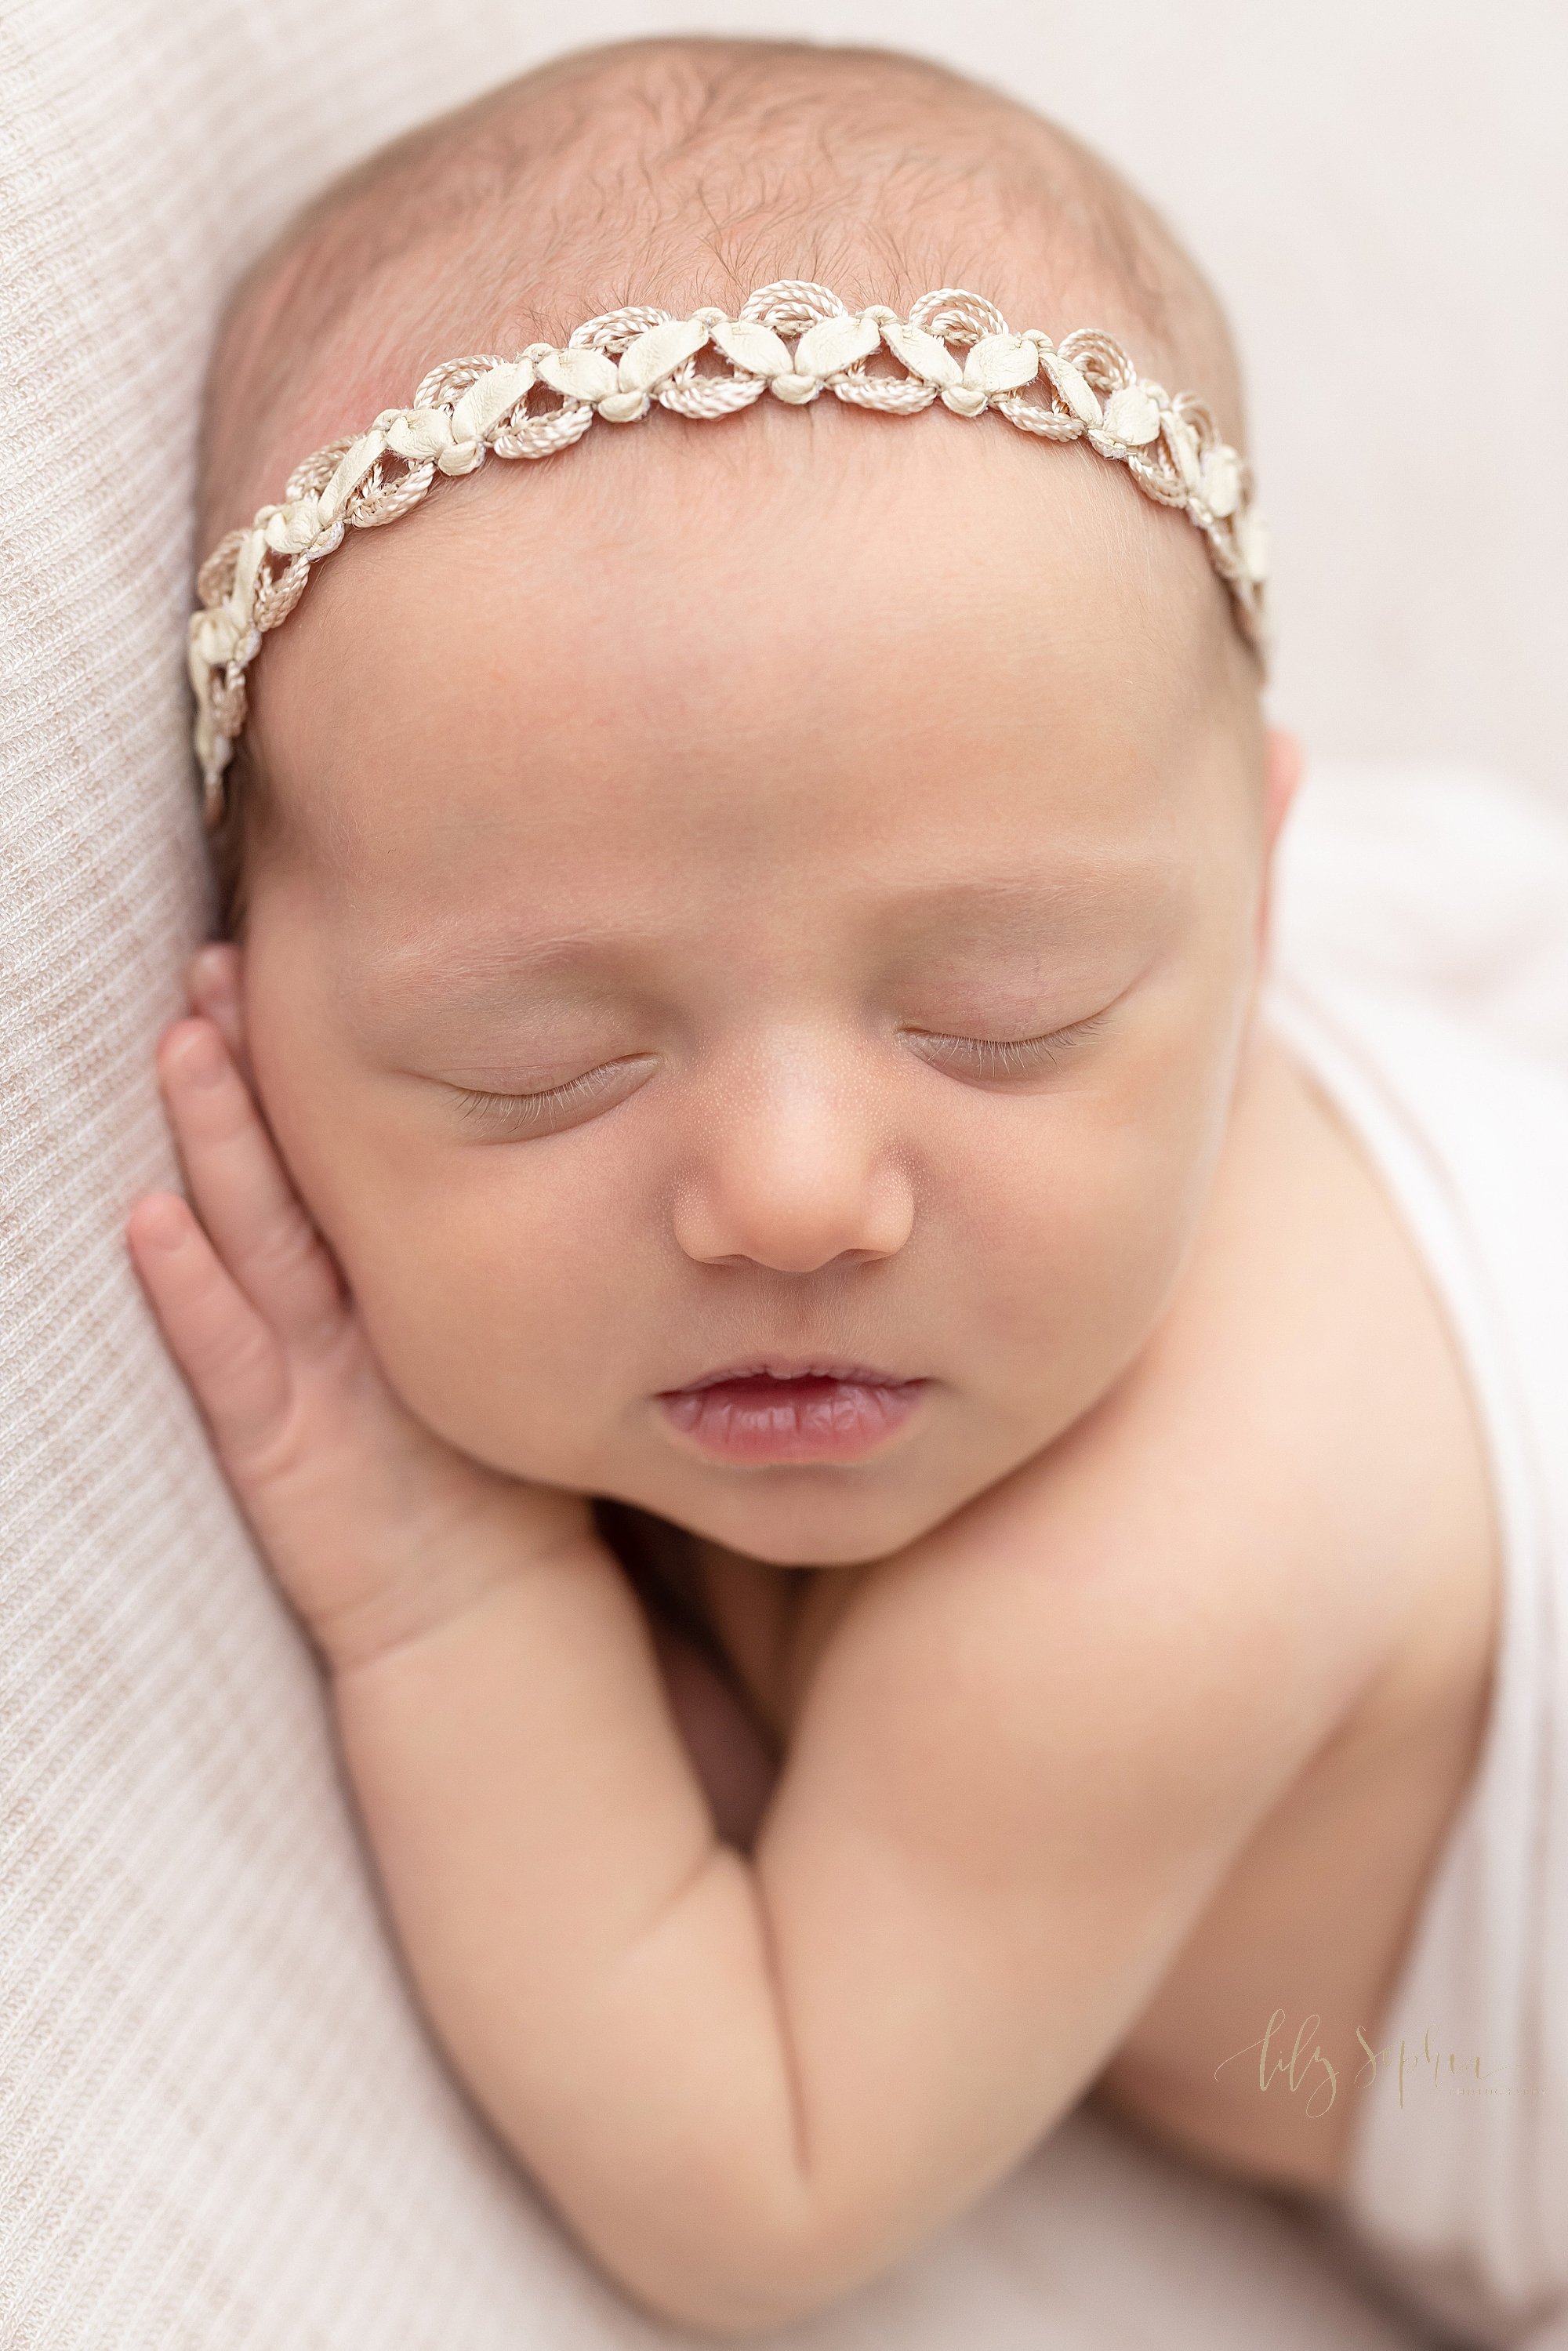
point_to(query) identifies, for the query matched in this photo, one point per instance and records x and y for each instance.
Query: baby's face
(775, 905)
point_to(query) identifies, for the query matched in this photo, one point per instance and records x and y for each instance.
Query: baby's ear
(212, 985)
(1283, 763)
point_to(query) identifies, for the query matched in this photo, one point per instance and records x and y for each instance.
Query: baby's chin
(807, 1517)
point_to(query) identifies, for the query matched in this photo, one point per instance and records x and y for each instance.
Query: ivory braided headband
(616, 366)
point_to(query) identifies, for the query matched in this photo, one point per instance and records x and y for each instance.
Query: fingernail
(200, 1057)
(159, 1221)
(210, 978)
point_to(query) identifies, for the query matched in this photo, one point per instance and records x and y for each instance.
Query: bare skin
(1124, 1695)
(1313, 1916)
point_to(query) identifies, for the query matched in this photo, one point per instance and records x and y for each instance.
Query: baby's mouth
(774, 1412)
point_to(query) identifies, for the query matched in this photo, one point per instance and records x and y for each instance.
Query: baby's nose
(796, 1168)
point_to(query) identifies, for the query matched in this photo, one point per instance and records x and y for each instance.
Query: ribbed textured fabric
(224, 2129)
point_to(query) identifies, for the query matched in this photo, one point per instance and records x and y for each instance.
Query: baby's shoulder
(1313, 1303)
(1309, 1380)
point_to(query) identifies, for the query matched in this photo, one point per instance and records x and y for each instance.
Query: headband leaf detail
(953, 348)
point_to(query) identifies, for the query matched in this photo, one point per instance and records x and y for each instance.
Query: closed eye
(1006, 1057)
(554, 1107)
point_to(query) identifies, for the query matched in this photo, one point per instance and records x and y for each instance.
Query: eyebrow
(504, 959)
(1017, 903)
(1009, 909)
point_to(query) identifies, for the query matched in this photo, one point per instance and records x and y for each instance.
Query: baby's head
(778, 891)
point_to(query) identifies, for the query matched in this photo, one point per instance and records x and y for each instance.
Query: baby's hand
(1020, 1755)
(377, 1530)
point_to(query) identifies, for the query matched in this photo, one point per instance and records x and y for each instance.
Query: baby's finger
(240, 1191)
(211, 983)
(234, 1365)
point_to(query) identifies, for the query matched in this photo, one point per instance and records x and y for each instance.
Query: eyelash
(528, 1111)
(1015, 1057)
(998, 1057)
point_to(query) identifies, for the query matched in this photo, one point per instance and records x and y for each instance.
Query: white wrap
(1422, 947)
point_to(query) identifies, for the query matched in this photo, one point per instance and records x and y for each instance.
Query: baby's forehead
(770, 579)
(658, 694)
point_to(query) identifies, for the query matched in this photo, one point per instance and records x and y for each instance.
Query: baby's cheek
(488, 1323)
(1086, 1234)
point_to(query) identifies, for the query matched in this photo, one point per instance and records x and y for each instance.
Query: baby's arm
(1017, 1765)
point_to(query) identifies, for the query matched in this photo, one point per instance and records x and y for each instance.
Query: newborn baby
(895, 1525)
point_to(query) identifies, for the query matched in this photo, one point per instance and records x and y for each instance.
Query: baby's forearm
(595, 1960)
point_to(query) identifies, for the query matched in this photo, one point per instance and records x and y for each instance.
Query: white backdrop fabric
(223, 2125)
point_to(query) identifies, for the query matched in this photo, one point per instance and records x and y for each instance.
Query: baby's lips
(796, 1367)
(758, 1416)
